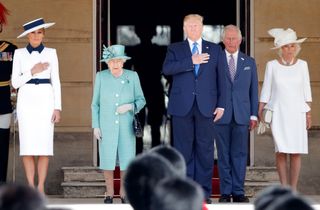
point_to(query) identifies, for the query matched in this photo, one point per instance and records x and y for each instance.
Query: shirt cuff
(220, 108)
(252, 117)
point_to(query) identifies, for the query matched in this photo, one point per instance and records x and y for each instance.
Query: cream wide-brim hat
(283, 37)
(34, 25)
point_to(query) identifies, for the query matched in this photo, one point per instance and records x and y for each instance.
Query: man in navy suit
(239, 117)
(197, 99)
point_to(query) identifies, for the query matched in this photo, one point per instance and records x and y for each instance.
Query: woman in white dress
(286, 92)
(35, 74)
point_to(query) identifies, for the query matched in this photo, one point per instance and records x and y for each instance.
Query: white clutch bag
(267, 116)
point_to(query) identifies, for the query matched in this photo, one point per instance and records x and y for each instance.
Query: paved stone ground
(58, 200)
(92, 204)
(128, 207)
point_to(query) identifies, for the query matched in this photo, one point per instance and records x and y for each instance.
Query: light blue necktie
(195, 51)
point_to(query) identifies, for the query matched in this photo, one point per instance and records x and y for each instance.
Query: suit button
(117, 122)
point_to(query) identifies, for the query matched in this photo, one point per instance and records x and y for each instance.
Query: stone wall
(73, 37)
(303, 17)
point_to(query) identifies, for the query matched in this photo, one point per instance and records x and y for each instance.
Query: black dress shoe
(225, 199)
(240, 199)
(124, 200)
(108, 199)
(208, 201)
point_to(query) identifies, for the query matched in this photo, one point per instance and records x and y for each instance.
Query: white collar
(235, 55)
(199, 41)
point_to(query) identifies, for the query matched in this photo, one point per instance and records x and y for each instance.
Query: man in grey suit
(239, 117)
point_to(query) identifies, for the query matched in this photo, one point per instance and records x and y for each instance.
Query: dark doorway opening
(171, 13)
(134, 23)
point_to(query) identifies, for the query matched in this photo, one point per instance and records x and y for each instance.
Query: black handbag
(137, 128)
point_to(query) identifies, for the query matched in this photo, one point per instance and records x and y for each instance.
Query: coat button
(117, 104)
(117, 122)
(116, 113)
(117, 95)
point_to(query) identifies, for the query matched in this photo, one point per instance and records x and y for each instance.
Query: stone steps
(83, 189)
(88, 182)
(82, 174)
(252, 188)
(258, 178)
(262, 174)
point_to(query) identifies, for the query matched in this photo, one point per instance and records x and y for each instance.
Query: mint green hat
(113, 52)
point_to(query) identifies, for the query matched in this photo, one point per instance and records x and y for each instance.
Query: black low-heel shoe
(108, 199)
(240, 199)
(225, 198)
(124, 200)
(208, 201)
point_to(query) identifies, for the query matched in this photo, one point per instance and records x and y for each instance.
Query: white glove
(124, 108)
(262, 127)
(97, 133)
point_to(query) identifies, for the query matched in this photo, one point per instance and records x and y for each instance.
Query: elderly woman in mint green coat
(117, 97)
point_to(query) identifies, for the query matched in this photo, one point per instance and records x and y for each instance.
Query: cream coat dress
(285, 90)
(36, 103)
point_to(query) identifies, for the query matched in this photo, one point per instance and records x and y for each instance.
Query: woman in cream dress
(286, 91)
(36, 76)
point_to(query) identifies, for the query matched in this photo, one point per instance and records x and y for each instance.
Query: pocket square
(247, 68)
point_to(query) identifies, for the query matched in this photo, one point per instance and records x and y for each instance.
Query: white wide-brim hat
(283, 37)
(34, 25)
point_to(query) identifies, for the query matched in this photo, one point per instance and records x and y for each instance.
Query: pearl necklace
(287, 63)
